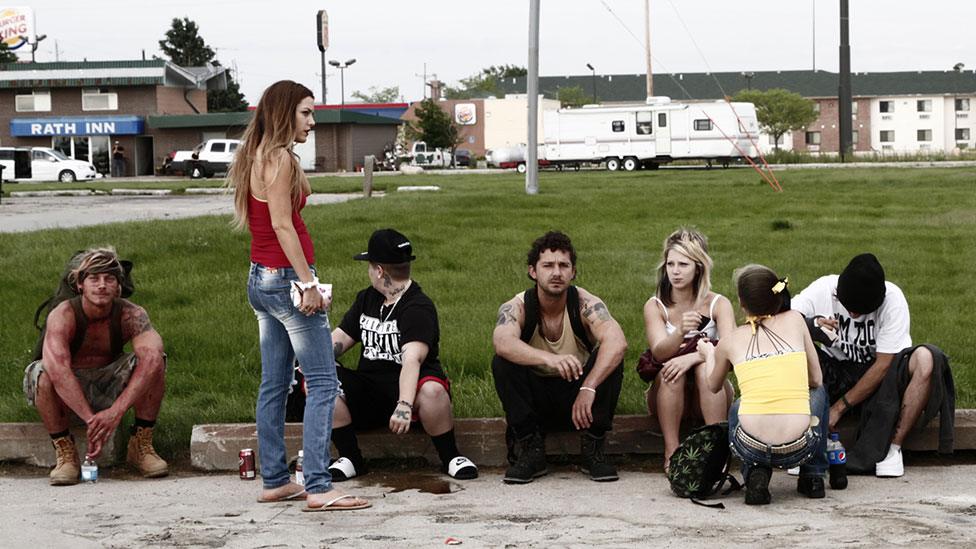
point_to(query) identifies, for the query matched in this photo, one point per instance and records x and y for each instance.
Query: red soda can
(245, 463)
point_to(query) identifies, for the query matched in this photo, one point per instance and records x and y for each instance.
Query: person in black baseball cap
(399, 379)
(862, 322)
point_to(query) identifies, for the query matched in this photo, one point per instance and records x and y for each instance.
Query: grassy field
(471, 239)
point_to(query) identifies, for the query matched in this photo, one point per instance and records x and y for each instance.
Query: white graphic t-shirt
(885, 330)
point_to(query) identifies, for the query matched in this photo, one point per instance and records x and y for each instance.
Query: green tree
(7, 56)
(378, 95)
(434, 126)
(485, 83)
(185, 47)
(779, 111)
(573, 96)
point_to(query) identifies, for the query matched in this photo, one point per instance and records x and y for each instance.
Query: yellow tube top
(774, 384)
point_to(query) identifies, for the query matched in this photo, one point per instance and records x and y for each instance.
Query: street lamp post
(33, 45)
(342, 76)
(593, 73)
(748, 76)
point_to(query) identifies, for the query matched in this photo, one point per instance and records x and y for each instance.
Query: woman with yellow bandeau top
(780, 420)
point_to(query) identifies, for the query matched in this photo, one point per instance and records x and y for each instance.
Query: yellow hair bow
(781, 285)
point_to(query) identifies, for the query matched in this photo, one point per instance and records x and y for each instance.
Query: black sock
(55, 436)
(144, 423)
(446, 446)
(345, 441)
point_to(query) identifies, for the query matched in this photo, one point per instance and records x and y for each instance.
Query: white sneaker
(462, 468)
(342, 469)
(891, 465)
(795, 471)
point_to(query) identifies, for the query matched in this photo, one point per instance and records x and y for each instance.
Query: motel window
(99, 99)
(854, 136)
(813, 138)
(962, 134)
(38, 101)
(816, 107)
(645, 122)
(924, 135)
(853, 107)
(962, 104)
(617, 126)
(703, 125)
(887, 106)
(923, 105)
(887, 136)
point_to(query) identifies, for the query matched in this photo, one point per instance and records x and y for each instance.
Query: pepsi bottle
(837, 457)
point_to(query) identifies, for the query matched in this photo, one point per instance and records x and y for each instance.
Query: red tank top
(265, 249)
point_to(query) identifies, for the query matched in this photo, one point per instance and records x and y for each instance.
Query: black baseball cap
(387, 246)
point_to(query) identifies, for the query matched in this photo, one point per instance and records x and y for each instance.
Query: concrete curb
(31, 444)
(214, 447)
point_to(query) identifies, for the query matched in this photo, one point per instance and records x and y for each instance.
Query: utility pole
(532, 87)
(844, 92)
(814, 34)
(322, 29)
(647, 47)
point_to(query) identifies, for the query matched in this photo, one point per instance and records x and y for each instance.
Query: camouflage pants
(101, 386)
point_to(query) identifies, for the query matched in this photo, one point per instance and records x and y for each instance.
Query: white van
(51, 165)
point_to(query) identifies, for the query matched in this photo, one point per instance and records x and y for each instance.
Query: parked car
(462, 157)
(50, 165)
(207, 159)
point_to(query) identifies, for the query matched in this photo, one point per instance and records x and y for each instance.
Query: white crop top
(711, 329)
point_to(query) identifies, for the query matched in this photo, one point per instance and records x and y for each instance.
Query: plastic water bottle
(837, 457)
(299, 468)
(89, 470)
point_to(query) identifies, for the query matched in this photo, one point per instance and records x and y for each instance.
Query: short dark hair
(754, 284)
(399, 271)
(552, 240)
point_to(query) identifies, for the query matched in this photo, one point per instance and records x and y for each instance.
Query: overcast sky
(391, 40)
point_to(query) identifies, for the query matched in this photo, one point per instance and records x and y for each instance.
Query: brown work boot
(68, 468)
(142, 456)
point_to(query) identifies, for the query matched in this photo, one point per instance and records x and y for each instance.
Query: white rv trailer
(633, 136)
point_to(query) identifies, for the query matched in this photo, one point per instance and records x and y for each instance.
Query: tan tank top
(567, 344)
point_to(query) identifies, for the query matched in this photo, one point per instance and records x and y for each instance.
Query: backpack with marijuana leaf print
(699, 468)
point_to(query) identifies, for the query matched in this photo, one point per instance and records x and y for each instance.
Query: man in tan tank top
(558, 364)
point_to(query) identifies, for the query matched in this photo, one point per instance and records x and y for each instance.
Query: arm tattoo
(135, 321)
(596, 310)
(506, 315)
(337, 348)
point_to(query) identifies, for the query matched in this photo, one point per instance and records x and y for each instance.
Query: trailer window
(703, 125)
(662, 120)
(644, 123)
(617, 126)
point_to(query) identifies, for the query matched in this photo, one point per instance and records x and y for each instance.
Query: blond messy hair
(96, 261)
(693, 245)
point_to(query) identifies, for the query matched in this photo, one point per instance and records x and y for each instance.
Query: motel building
(81, 108)
(154, 107)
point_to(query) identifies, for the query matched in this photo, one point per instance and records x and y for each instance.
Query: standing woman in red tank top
(270, 190)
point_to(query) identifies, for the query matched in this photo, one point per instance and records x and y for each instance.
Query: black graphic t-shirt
(384, 330)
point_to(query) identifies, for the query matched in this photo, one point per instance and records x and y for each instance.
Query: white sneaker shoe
(891, 466)
(795, 471)
(342, 469)
(462, 468)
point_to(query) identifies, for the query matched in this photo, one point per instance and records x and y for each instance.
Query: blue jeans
(812, 459)
(287, 333)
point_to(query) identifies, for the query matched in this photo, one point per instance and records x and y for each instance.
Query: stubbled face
(553, 272)
(304, 119)
(680, 269)
(100, 289)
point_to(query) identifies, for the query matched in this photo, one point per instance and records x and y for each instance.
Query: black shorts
(839, 376)
(372, 395)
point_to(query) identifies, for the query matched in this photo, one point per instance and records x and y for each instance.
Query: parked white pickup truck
(427, 157)
(207, 159)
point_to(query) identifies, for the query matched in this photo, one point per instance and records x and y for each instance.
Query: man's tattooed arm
(506, 315)
(595, 310)
(338, 348)
(135, 321)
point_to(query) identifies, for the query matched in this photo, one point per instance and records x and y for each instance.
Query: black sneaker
(531, 461)
(757, 486)
(812, 487)
(594, 460)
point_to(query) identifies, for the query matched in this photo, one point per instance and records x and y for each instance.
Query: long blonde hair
(694, 245)
(272, 129)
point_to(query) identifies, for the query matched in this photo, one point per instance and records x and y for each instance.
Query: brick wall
(827, 125)
(171, 101)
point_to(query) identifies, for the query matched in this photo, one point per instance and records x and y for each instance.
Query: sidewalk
(932, 506)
